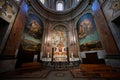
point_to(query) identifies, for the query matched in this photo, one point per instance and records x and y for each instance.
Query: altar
(60, 53)
(60, 57)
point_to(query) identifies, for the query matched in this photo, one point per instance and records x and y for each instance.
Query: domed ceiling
(58, 10)
(59, 5)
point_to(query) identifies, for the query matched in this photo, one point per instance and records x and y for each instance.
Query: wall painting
(89, 39)
(32, 35)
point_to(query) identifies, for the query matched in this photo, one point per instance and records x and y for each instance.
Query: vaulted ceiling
(51, 14)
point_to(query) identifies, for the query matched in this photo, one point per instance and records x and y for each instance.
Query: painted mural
(88, 36)
(59, 35)
(32, 35)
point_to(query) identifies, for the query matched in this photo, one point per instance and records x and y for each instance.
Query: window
(77, 1)
(59, 6)
(17, 1)
(42, 1)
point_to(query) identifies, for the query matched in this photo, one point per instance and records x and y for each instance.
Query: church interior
(60, 39)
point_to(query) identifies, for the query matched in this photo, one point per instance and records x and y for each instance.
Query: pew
(30, 66)
(95, 67)
(96, 70)
(110, 75)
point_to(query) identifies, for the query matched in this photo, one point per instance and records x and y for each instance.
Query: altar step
(61, 65)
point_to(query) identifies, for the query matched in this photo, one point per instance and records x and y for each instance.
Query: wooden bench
(110, 75)
(95, 67)
(30, 66)
(96, 70)
(92, 65)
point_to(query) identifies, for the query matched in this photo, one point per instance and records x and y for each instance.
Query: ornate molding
(115, 5)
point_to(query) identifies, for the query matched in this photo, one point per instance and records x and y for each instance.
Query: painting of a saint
(85, 28)
(34, 28)
(31, 38)
(59, 35)
(88, 36)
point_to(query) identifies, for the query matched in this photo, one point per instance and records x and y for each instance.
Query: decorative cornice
(58, 16)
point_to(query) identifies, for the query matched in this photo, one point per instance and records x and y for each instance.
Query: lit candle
(71, 55)
(48, 55)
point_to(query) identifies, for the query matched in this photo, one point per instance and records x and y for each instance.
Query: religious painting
(59, 34)
(32, 35)
(88, 36)
(59, 43)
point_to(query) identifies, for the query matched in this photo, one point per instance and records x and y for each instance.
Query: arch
(78, 17)
(34, 16)
(63, 24)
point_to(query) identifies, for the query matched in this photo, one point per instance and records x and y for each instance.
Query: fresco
(31, 38)
(88, 36)
(59, 35)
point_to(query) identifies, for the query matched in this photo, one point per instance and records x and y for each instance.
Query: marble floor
(57, 75)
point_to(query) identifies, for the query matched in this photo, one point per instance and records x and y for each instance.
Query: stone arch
(63, 24)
